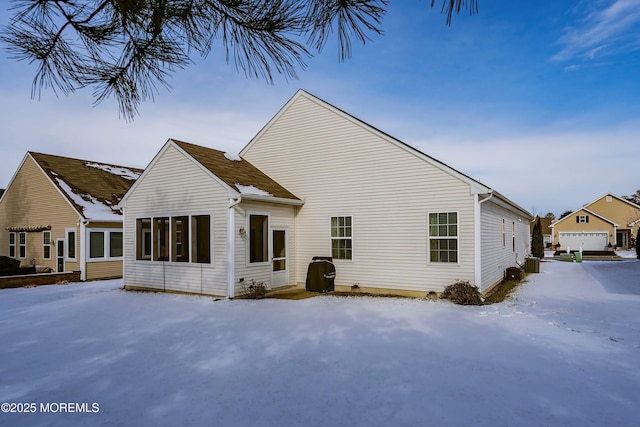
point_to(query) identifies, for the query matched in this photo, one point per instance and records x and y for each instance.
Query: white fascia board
(507, 204)
(153, 161)
(587, 211)
(475, 187)
(171, 143)
(600, 216)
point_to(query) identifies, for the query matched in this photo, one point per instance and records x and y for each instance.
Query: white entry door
(280, 261)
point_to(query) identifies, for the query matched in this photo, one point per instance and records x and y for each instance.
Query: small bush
(463, 293)
(255, 290)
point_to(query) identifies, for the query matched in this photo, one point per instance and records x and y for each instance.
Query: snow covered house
(316, 181)
(61, 213)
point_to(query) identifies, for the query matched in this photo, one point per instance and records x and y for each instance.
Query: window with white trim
(22, 244)
(582, 219)
(12, 244)
(115, 244)
(443, 237)
(96, 244)
(185, 238)
(258, 238)
(71, 244)
(504, 236)
(46, 245)
(342, 237)
(104, 244)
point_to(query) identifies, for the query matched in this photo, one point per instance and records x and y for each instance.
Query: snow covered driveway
(617, 277)
(563, 351)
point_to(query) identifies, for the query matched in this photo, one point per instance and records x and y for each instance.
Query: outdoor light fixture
(243, 232)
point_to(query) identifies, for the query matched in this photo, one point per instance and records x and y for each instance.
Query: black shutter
(577, 219)
(587, 216)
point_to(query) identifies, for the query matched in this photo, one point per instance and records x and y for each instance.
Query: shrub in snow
(462, 293)
(537, 241)
(255, 290)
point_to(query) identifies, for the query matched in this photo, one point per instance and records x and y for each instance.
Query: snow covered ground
(565, 350)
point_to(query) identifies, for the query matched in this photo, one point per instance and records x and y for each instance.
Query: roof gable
(476, 186)
(480, 188)
(94, 189)
(585, 210)
(237, 173)
(619, 199)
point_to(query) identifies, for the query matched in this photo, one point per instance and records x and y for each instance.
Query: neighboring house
(545, 226)
(394, 219)
(61, 213)
(609, 220)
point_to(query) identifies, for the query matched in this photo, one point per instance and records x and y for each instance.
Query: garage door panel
(588, 241)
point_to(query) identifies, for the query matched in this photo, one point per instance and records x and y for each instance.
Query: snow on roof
(250, 189)
(116, 170)
(91, 207)
(234, 157)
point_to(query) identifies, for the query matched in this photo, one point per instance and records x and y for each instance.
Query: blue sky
(539, 100)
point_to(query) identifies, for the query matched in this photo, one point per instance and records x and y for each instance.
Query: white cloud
(547, 171)
(603, 31)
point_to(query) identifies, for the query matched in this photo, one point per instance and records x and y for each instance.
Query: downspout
(124, 239)
(82, 249)
(477, 233)
(231, 247)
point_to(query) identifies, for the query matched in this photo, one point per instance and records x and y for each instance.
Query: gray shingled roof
(234, 172)
(93, 188)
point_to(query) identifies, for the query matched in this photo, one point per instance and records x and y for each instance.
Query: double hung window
(443, 237)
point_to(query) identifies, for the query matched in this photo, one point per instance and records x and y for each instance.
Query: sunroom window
(185, 238)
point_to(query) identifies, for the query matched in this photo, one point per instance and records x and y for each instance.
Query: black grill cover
(321, 275)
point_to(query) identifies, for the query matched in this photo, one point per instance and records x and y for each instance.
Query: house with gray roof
(61, 214)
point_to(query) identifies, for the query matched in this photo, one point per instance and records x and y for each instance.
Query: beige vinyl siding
(175, 186)
(340, 168)
(104, 270)
(496, 257)
(280, 216)
(595, 224)
(616, 210)
(32, 200)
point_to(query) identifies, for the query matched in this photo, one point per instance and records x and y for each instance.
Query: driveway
(616, 277)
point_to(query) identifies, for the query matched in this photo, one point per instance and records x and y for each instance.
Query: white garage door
(594, 241)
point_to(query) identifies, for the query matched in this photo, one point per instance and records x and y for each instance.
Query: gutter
(272, 199)
(231, 247)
